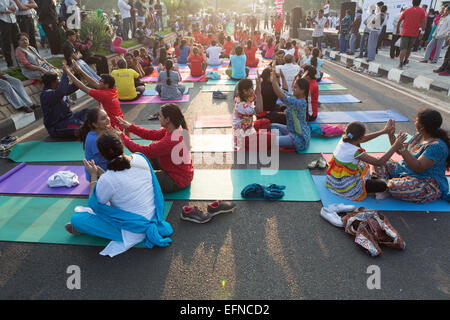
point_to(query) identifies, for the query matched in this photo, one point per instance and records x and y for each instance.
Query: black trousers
(101, 63)
(9, 33)
(54, 40)
(446, 64)
(395, 51)
(126, 28)
(26, 24)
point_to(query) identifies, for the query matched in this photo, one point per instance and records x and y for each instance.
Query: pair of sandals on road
(320, 163)
(6, 143)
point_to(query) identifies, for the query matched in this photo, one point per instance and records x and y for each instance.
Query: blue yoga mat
(228, 184)
(325, 81)
(370, 202)
(319, 145)
(363, 116)
(338, 98)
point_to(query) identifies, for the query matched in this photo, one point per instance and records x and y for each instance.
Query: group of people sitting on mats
(135, 183)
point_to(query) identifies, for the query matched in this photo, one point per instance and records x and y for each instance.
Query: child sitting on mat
(168, 87)
(173, 172)
(348, 173)
(197, 62)
(96, 123)
(296, 134)
(313, 97)
(248, 103)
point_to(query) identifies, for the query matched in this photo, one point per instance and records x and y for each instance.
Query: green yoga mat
(224, 82)
(42, 220)
(319, 145)
(224, 88)
(331, 87)
(39, 151)
(228, 184)
(152, 86)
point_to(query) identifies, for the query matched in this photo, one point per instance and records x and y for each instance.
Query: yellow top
(125, 83)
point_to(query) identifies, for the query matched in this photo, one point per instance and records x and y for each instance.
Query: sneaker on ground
(220, 206)
(8, 139)
(194, 214)
(331, 217)
(340, 207)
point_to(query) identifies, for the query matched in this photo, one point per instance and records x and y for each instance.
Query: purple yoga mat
(25, 179)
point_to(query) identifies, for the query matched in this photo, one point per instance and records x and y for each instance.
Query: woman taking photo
(136, 213)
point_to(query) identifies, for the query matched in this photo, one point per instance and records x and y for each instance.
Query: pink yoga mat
(26, 179)
(219, 121)
(395, 157)
(157, 99)
(142, 99)
(188, 78)
(149, 79)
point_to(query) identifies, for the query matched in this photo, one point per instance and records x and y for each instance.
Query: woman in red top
(173, 171)
(310, 74)
(197, 62)
(228, 46)
(250, 52)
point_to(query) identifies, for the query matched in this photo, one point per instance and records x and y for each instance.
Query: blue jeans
(363, 45)
(85, 67)
(372, 44)
(343, 44)
(283, 137)
(353, 42)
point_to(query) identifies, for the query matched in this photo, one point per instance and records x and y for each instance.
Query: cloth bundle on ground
(63, 179)
(213, 75)
(269, 192)
(372, 229)
(326, 130)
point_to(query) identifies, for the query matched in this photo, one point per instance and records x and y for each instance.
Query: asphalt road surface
(266, 250)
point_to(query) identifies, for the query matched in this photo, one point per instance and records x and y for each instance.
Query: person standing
(413, 18)
(266, 21)
(125, 12)
(48, 18)
(319, 24)
(382, 34)
(377, 23)
(354, 31)
(395, 50)
(9, 29)
(25, 19)
(440, 35)
(158, 9)
(344, 30)
(326, 9)
(278, 27)
(444, 69)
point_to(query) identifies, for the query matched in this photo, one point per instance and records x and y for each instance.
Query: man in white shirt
(214, 52)
(326, 9)
(9, 29)
(289, 69)
(318, 24)
(125, 12)
(395, 50)
(25, 19)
